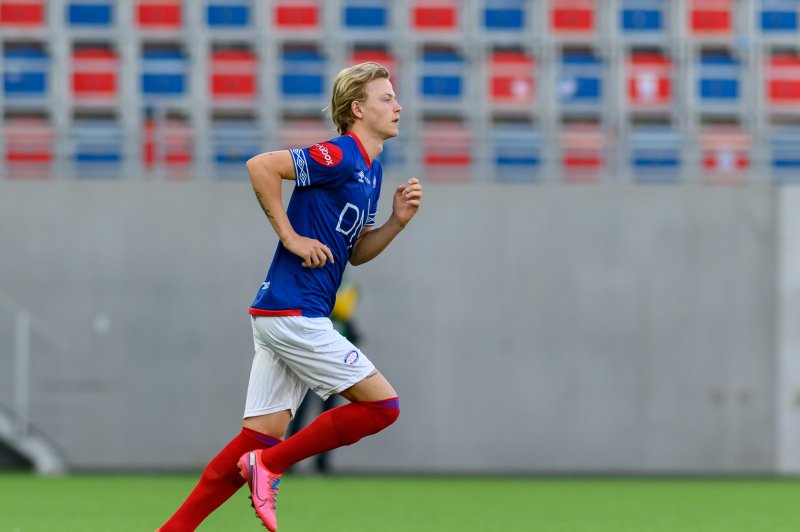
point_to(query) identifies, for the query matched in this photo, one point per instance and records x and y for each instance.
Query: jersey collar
(364, 153)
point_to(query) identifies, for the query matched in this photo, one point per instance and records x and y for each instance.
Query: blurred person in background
(330, 221)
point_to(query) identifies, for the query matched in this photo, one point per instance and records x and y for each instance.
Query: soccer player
(330, 221)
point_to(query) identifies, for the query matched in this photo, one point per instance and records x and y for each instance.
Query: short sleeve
(372, 214)
(322, 164)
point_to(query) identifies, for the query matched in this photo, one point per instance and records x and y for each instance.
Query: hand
(406, 200)
(314, 253)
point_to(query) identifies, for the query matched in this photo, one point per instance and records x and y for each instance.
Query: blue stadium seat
(516, 153)
(228, 13)
(25, 72)
(719, 78)
(580, 79)
(642, 16)
(365, 15)
(302, 74)
(655, 155)
(784, 155)
(233, 142)
(97, 148)
(779, 16)
(442, 75)
(503, 15)
(394, 153)
(164, 73)
(93, 13)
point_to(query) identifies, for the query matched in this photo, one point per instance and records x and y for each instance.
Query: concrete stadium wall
(526, 328)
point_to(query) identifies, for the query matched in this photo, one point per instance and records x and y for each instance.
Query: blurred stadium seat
(511, 79)
(655, 154)
(29, 146)
(26, 71)
(165, 73)
(159, 14)
(516, 153)
(22, 13)
(233, 75)
(580, 79)
(629, 67)
(234, 140)
(90, 13)
(97, 147)
(228, 13)
(725, 152)
(643, 17)
(649, 80)
(447, 151)
(572, 17)
(95, 74)
(711, 17)
(583, 154)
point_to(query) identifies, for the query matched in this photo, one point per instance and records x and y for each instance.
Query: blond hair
(350, 86)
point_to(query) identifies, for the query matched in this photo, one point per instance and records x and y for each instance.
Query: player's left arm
(373, 240)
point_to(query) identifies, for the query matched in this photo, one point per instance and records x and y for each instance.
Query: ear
(356, 109)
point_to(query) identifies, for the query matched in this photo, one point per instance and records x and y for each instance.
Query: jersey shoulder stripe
(300, 167)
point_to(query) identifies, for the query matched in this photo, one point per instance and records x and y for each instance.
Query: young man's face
(381, 109)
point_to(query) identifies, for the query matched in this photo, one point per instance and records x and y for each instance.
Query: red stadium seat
(725, 154)
(304, 132)
(375, 54)
(711, 17)
(22, 13)
(297, 14)
(379, 56)
(434, 15)
(29, 147)
(447, 152)
(649, 79)
(511, 78)
(94, 73)
(233, 75)
(582, 153)
(782, 78)
(159, 14)
(168, 147)
(572, 16)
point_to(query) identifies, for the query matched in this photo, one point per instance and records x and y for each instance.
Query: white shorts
(295, 354)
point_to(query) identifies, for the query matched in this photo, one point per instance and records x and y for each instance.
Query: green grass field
(108, 503)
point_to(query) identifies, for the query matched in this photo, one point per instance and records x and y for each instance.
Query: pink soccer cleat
(263, 487)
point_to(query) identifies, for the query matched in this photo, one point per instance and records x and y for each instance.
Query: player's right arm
(267, 172)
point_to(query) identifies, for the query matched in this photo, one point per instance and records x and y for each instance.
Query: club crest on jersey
(326, 153)
(351, 358)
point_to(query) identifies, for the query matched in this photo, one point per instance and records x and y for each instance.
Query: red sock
(219, 481)
(343, 425)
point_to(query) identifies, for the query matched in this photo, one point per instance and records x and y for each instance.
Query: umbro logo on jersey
(326, 153)
(264, 285)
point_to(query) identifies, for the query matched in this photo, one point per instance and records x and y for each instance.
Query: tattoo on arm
(264, 208)
(366, 235)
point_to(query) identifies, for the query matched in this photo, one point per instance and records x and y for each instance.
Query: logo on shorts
(351, 358)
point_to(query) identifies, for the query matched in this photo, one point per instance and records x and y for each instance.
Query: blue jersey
(335, 195)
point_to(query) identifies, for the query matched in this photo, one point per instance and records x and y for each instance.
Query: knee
(385, 412)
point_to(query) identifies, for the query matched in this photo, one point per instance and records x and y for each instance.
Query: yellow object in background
(346, 301)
